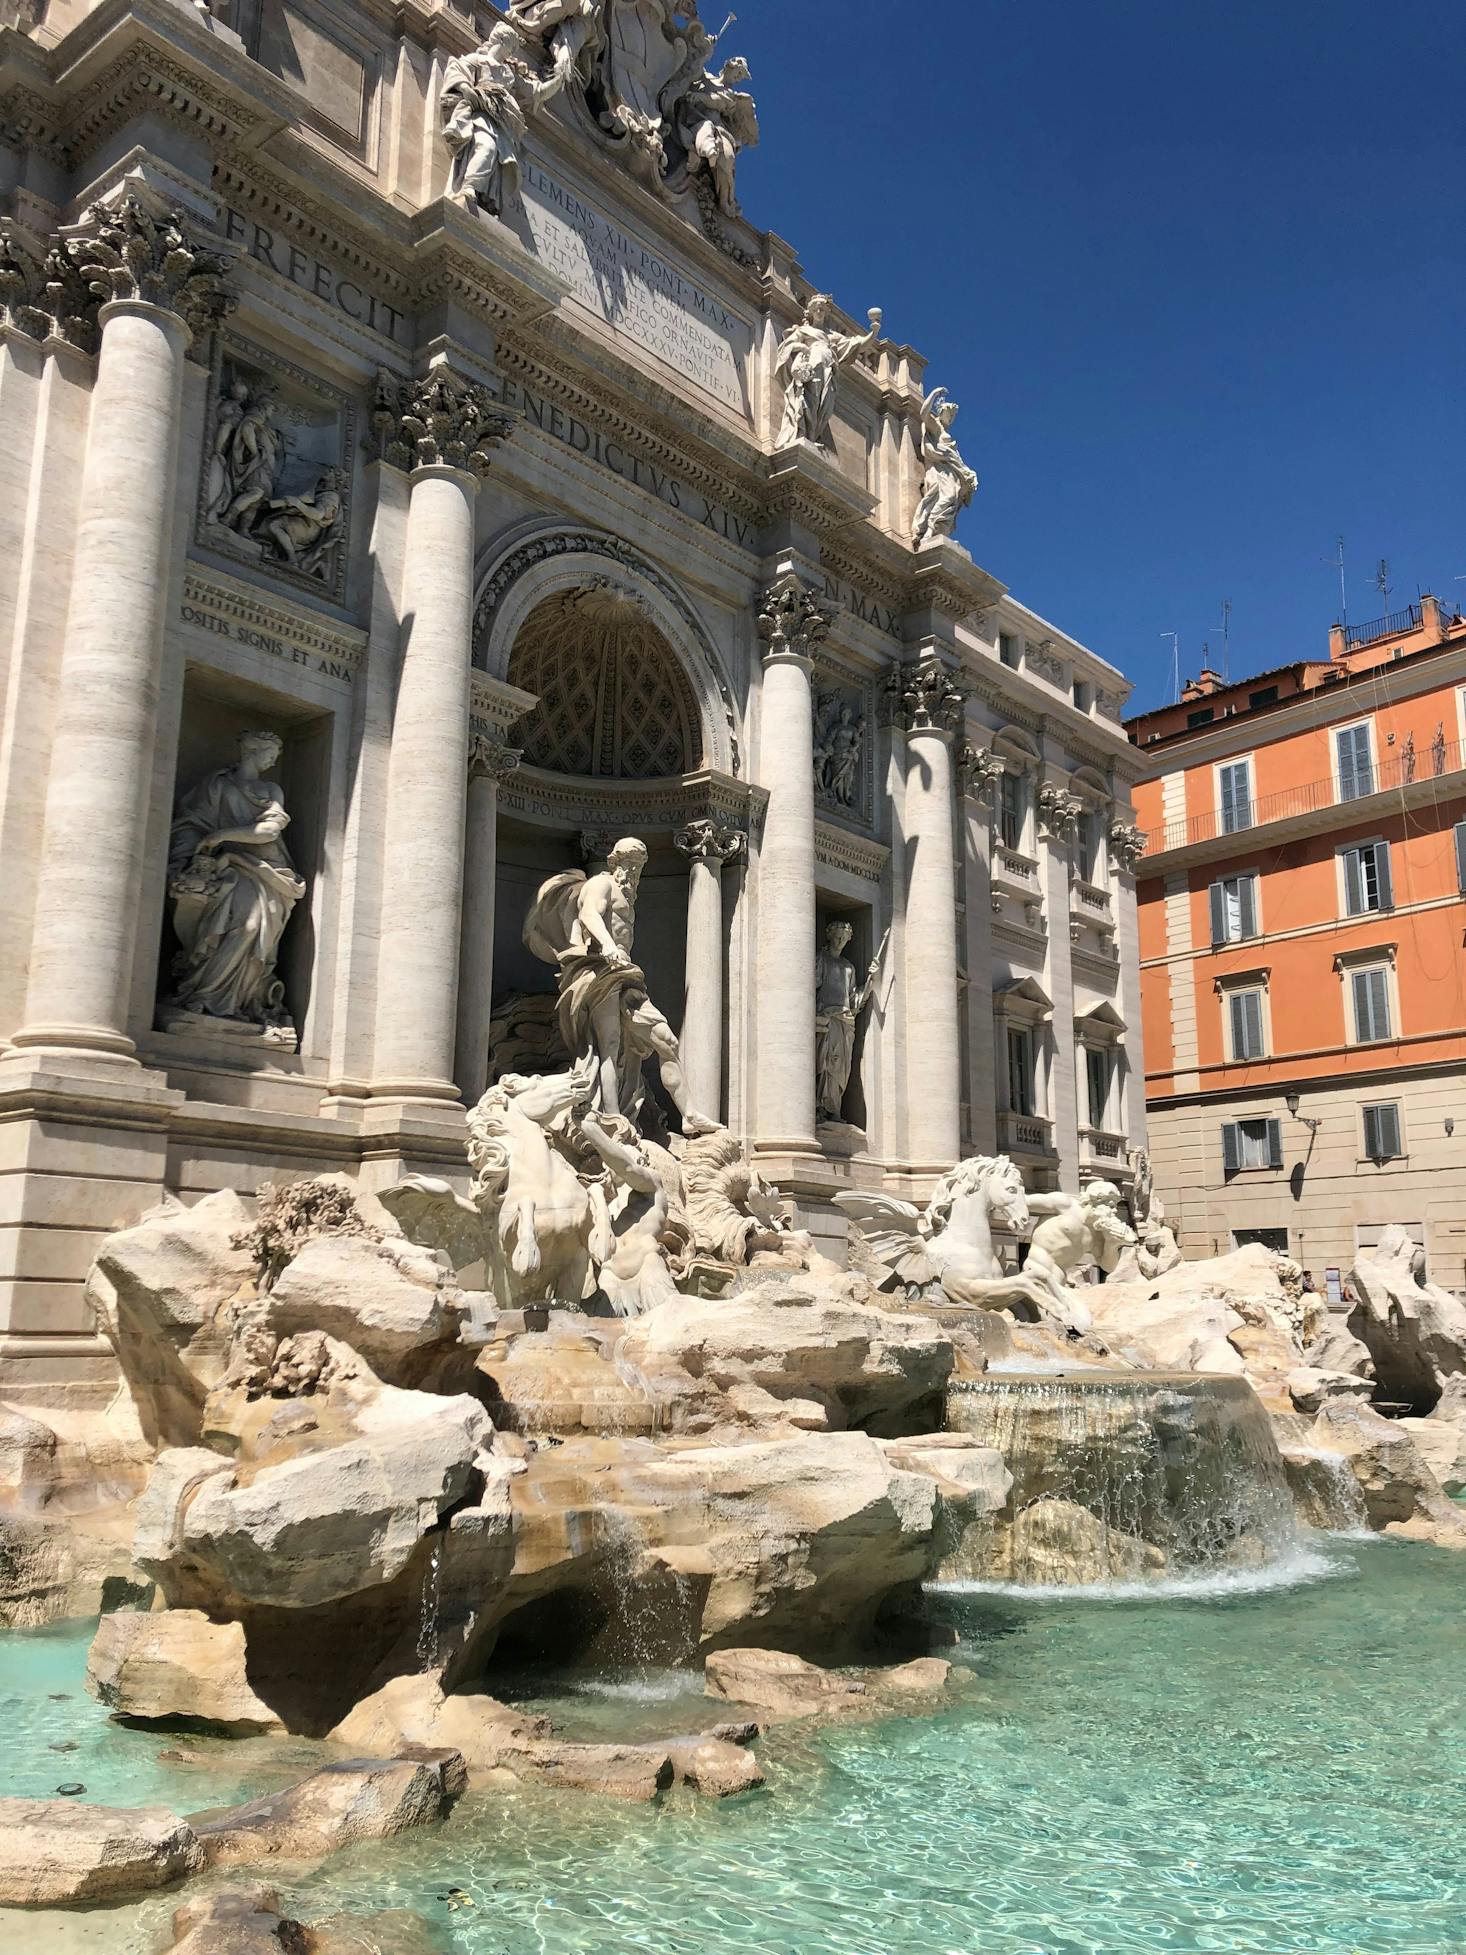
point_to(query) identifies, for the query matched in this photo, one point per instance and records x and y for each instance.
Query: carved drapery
(1058, 810)
(441, 421)
(978, 770)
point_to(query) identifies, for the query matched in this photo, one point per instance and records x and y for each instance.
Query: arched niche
(611, 589)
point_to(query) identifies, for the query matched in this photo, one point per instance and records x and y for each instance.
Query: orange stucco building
(1302, 920)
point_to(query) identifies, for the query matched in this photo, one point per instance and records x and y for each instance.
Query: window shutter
(1363, 1026)
(1461, 856)
(1219, 911)
(1382, 875)
(1356, 775)
(1275, 1143)
(1239, 1029)
(1389, 1131)
(1248, 888)
(1252, 1022)
(1371, 1133)
(1353, 883)
(1230, 1154)
(1371, 1006)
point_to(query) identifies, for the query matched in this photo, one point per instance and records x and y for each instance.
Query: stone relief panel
(275, 487)
(844, 760)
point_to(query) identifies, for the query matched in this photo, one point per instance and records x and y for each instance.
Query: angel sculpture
(952, 1244)
(948, 485)
(808, 365)
(714, 119)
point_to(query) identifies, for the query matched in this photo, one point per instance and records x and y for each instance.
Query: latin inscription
(613, 455)
(863, 607)
(314, 275)
(635, 291)
(240, 633)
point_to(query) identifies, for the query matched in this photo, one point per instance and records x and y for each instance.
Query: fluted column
(489, 762)
(707, 845)
(441, 429)
(791, 625)
(157, 283)
(927, 708)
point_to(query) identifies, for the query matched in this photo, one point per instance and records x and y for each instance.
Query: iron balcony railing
(1395, 625)
(1397, 770)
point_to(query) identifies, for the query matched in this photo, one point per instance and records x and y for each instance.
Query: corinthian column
(927, 707)
(156, 284)
(441, 430)
(707, 846)
(489, 762)
(791, 625)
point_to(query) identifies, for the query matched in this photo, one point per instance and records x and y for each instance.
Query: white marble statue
(1155, 1250)
(838, 740)
(304, 530)
(839, 999)
(584, 926)
(484, 106)
(732, 1213)
(233, 887)
(1076, 1232)
(713, 120)
(643, 1181)
(808, 366)
(949, 484)
(952, 1243)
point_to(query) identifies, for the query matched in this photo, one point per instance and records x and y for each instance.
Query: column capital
(708, 840)
(791, 621)
(978, 769)
(490, 759)
(924, 696)
(42, 294)
(1058, 810)
(439, 421)
(141, 252)
(1127, 845)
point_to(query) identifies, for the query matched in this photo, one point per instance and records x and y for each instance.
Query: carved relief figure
(948, 485)
(584, 926)
(304, 529)
(568, 34)
(838, 741)
(248, 451)
(808, 366)
(839, 1001)
(233, 887)
(713, 120)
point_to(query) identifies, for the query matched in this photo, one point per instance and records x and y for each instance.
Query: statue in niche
(233, 887)
(808, 366)
(303, 530)
(486, 100)
(838, 740)
(839, 999)
(713, 120)
(948, 485)
(584, 926)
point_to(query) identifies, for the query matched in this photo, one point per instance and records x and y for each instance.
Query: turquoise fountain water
(1269, 1769)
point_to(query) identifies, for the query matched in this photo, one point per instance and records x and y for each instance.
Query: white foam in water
(656, 1687)
(1291, 1570)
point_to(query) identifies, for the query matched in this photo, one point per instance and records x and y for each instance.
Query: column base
(62, 1042)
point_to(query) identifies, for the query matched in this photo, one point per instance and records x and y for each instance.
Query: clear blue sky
(1195, 269)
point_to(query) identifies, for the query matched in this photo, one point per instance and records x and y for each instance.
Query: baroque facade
(418, 474)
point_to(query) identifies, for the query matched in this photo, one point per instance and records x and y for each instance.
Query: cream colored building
(488, 519)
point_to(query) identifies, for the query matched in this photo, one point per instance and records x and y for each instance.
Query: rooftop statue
(811, 355)
(948, 485)
(713, 120)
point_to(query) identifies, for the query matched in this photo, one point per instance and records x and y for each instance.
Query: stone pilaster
(707, 844)
(925, 705)
(490, 761)
(155, 283)
(792, 624)
(978, 769)
(442, 430)
(1058, 811)
(1127, 845)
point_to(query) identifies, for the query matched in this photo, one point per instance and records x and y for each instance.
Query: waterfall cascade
(1123, 1476)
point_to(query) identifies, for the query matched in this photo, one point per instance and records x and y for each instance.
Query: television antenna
(1338, 564)
(1382, 581)
(1226, 638)
(1175, 638)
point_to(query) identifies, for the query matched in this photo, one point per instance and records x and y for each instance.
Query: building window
(1098, 1066)
(1264, 696)
(1251, 1144)
(1244, 1016)
(1087, 834)
(1234, 795)
(1022, 1094)
(1233, 909)
(1010, 811)
(1461, 856)
(1382, 1131)
(1203, 716)
(1367, 878)
(1371, 989)
(1009, 650)
(1355, 764)
(1083, 694)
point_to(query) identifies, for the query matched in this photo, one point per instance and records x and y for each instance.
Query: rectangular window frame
(1012, 818)
(1220, 771)
(1365, 867)
(1372, 1118)
(1242, 1144)
(1249, 908)
(1353, 776)
(1022, 1077)
(1384, 993)
(1103, 1058)
(1241, 1021)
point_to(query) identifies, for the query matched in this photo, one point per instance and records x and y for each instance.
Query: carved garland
(587, 543)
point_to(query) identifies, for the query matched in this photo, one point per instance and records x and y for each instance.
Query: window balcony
(1101, 1152)
(1088, 900)
(1025, 1134)
(1016, 872)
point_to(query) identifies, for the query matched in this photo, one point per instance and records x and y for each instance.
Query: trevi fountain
(570, 1434)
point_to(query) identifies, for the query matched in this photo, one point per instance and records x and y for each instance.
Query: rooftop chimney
(1208, 682)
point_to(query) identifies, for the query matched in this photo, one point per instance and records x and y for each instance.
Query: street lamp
(1290, 1101)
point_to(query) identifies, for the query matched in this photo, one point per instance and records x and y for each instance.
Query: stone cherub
(808, 366)
(584, 927)
(949, 484)
(233, 887)
(839, 1001)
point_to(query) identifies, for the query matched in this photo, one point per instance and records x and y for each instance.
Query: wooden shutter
(1236, 790)
(1382, 875)
(1356, 775)
(1246, 1024)
(1382, 1132)
(1218, 896)
(1231, 1154)
(1248, 888)
(1461, 856)
(1353, 883)
(1275, 1143)
(1371, 1006)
